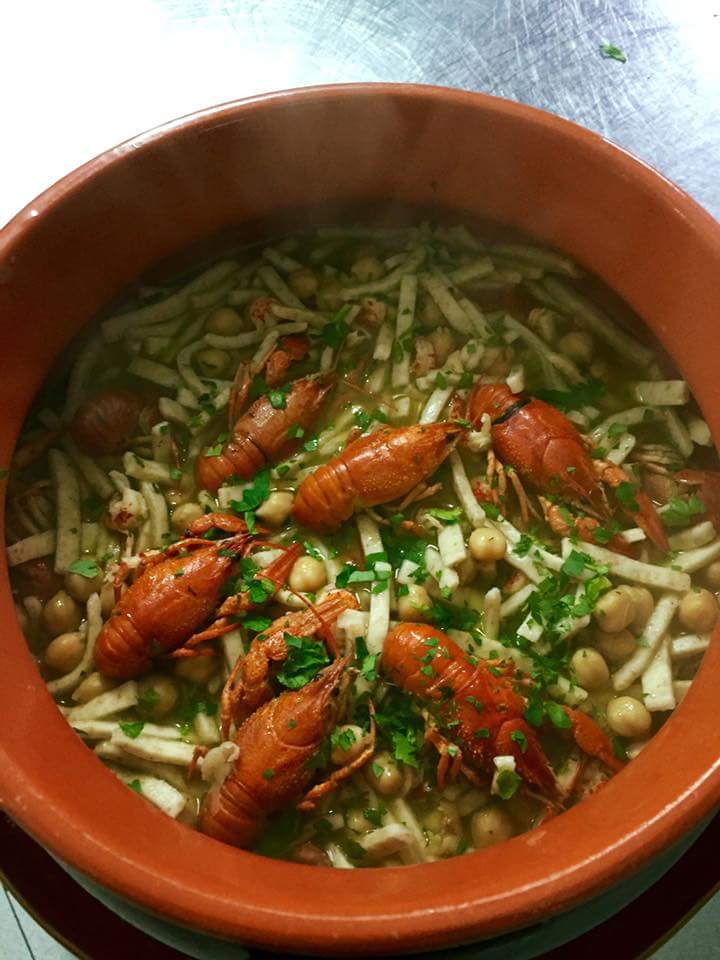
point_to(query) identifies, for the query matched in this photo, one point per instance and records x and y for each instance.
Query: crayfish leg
(330, 783)
(441, 744)
(592, 739)
(531, 762)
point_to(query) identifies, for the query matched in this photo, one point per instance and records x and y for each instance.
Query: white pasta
(67, 508)
(446, 302)
(31, 548)
(379, 602)
(652, 636)
(107, 704)
(657, 681)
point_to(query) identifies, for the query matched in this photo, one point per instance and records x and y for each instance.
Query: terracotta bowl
(276, 161)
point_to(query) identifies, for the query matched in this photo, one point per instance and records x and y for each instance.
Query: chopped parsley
(305, 658)
(506, 783)
(85, 568)
(217, 448)
(557, 715)
(625, 492)
(448, 514)
(148, 699)
(401, 725)
(679, 512)
(583, 394)
(336, 329)
(610, 52)
(132, 730)
(520, 739)
(374, 815)
(278, 397)
(254, 494)
(184, 715)
(575, 564)
(343, 738)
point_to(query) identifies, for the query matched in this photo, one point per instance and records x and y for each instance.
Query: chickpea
(472, 801)
(82, 588)
(61, 614)
(443, 825)
(176, 497)
(224, 321)
(367, 269)
(487, 544)
(65, 652)
(355, 821)
(698, 610)
(443, 343)
(384, 775)
(712, 575)
(487, 571)
(303, 283)
(644, 605)
(628, 717)
(578, 345)
(615, 610)
(599, 369)
(91, 687)
(184, 515)
(277, 508)
(429, 313)
(341, 755)
(307, 575)
(415, 604)
(615, 647)
(196, 669)
(491, 825)
(466, 570)
(23, 618)
(212, 362)
(590, 668)
(659, 487)
(107, 599)
(544, 322)
(328, 295)
(158, 695)
(360, 250)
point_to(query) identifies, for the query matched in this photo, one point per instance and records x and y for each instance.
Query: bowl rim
(130, 873)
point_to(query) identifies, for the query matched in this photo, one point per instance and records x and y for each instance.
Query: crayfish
(176, 593)
(547, 451)
(481, 702)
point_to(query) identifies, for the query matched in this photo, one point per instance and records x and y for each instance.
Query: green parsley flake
(610, 52)
(680, 513)
(448, 514)
(132, 730)
(506, 783)
(305, 658)
(85, 568)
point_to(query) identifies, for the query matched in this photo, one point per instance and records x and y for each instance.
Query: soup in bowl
(366, 547)
(380, 542)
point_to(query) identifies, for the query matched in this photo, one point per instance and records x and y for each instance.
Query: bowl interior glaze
(281, 161)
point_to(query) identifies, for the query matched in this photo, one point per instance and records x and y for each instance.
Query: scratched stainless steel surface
(81, 75)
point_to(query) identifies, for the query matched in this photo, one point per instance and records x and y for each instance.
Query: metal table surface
(79, 76)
